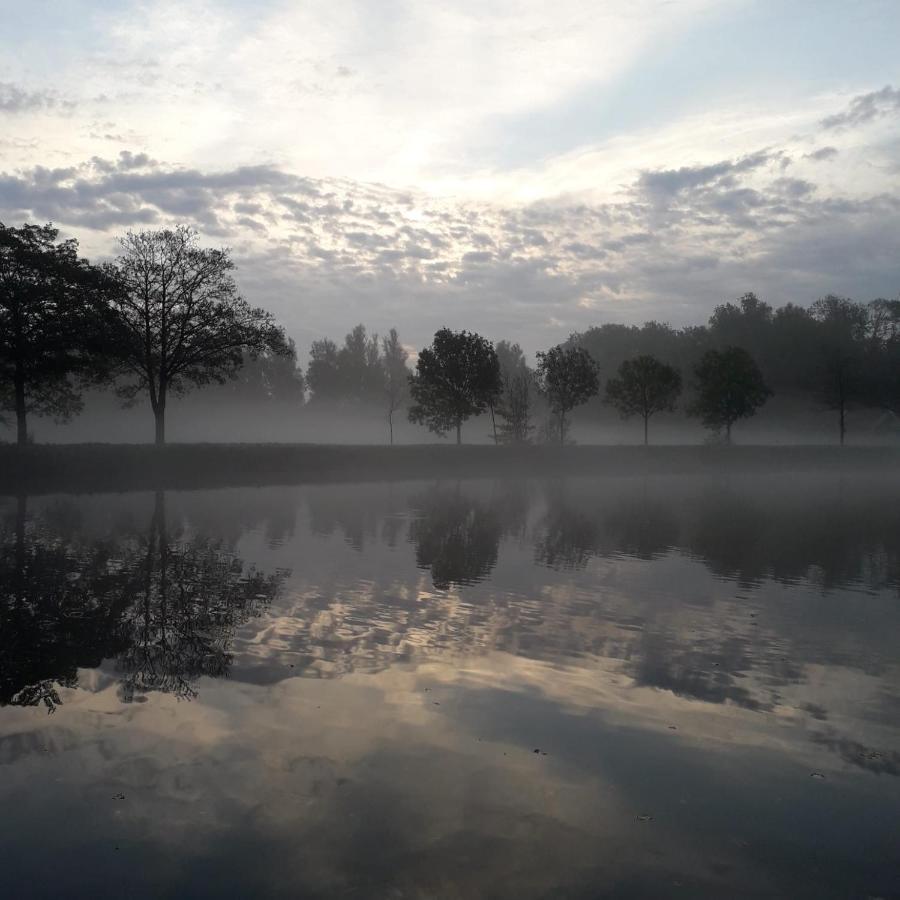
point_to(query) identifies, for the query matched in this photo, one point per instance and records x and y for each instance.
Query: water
(582, 688)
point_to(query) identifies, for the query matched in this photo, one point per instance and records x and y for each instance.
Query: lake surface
(581, 688)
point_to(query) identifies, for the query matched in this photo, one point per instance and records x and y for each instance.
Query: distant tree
(883, 369)
(841, 345)
(360, 372)
(644, 386)
(748, 324)
(455, 378)
(54, 318)
(395, 375)
(568, 377)
(268, 378)
(183, 322)
(514, 407)
(515, 398)
(323, 374)
(729, 387)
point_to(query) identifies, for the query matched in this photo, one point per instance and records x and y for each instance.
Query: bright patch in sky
(520, 168)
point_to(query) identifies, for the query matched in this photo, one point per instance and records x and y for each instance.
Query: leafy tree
(729, 387)
(395, 375)
(568, 377)
(747, 324)
(323, 374)
(644, 386)
(455, 378)
(883, 389)
(268, 378)
(182, 321)
(54, 314)
(359, 368)
(515, 401)
(842, 330)
(514, 406)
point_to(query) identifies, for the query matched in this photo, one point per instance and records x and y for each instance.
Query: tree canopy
(54, 316)
(729, 387)
(456, 378)
(644, 386)
(182, 322)
(568, 377)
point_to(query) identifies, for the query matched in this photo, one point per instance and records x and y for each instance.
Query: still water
(578, 688)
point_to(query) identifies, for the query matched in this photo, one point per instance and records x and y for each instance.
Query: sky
(523, 168)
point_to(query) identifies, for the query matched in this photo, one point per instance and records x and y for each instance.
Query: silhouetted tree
(883, 370)
(747, 324)
(456, 377)
(395, 375)
(568, 377)
(54, 316)
(359, 367)
(183, 322)
(729, 387)
(643, 387)
(841, 344)
(323, 374)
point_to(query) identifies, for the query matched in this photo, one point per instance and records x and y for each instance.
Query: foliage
(54, 316)
(456, 377)
(729, 387)
(842, 330)
(644, 386)
(182, 321)
(568, 377)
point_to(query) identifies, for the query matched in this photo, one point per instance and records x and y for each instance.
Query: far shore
(74, 468)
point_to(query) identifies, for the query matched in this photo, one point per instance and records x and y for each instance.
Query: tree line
(166, 316)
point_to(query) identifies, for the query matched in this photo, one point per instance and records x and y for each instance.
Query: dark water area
(573, 688)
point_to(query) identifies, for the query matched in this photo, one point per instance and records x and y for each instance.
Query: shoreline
(92, 468)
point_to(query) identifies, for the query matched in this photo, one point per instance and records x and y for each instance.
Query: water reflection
(164, 607)
(374, 666)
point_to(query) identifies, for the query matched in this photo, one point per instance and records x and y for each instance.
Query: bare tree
(183, 322)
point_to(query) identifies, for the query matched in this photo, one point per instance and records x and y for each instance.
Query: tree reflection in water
(165, 610)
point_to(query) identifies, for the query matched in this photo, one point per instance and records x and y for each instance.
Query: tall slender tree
(841, 344)
(182, 321)
(54, 318)
(395, 376)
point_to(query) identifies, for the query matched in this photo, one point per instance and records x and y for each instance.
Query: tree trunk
(646, 418)
(842, 423)
(728, 433)
(493, 422)
(21, 422)
(160, 415)
(391, 425)
(458, 431)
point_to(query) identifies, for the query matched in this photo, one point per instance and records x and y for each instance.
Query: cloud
(16, 99)
(866, 108)
(325, 253)
(822, 154)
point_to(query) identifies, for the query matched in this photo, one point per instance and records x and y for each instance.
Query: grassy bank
(101, 467)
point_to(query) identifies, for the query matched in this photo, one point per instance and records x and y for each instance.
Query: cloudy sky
(524, 169)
